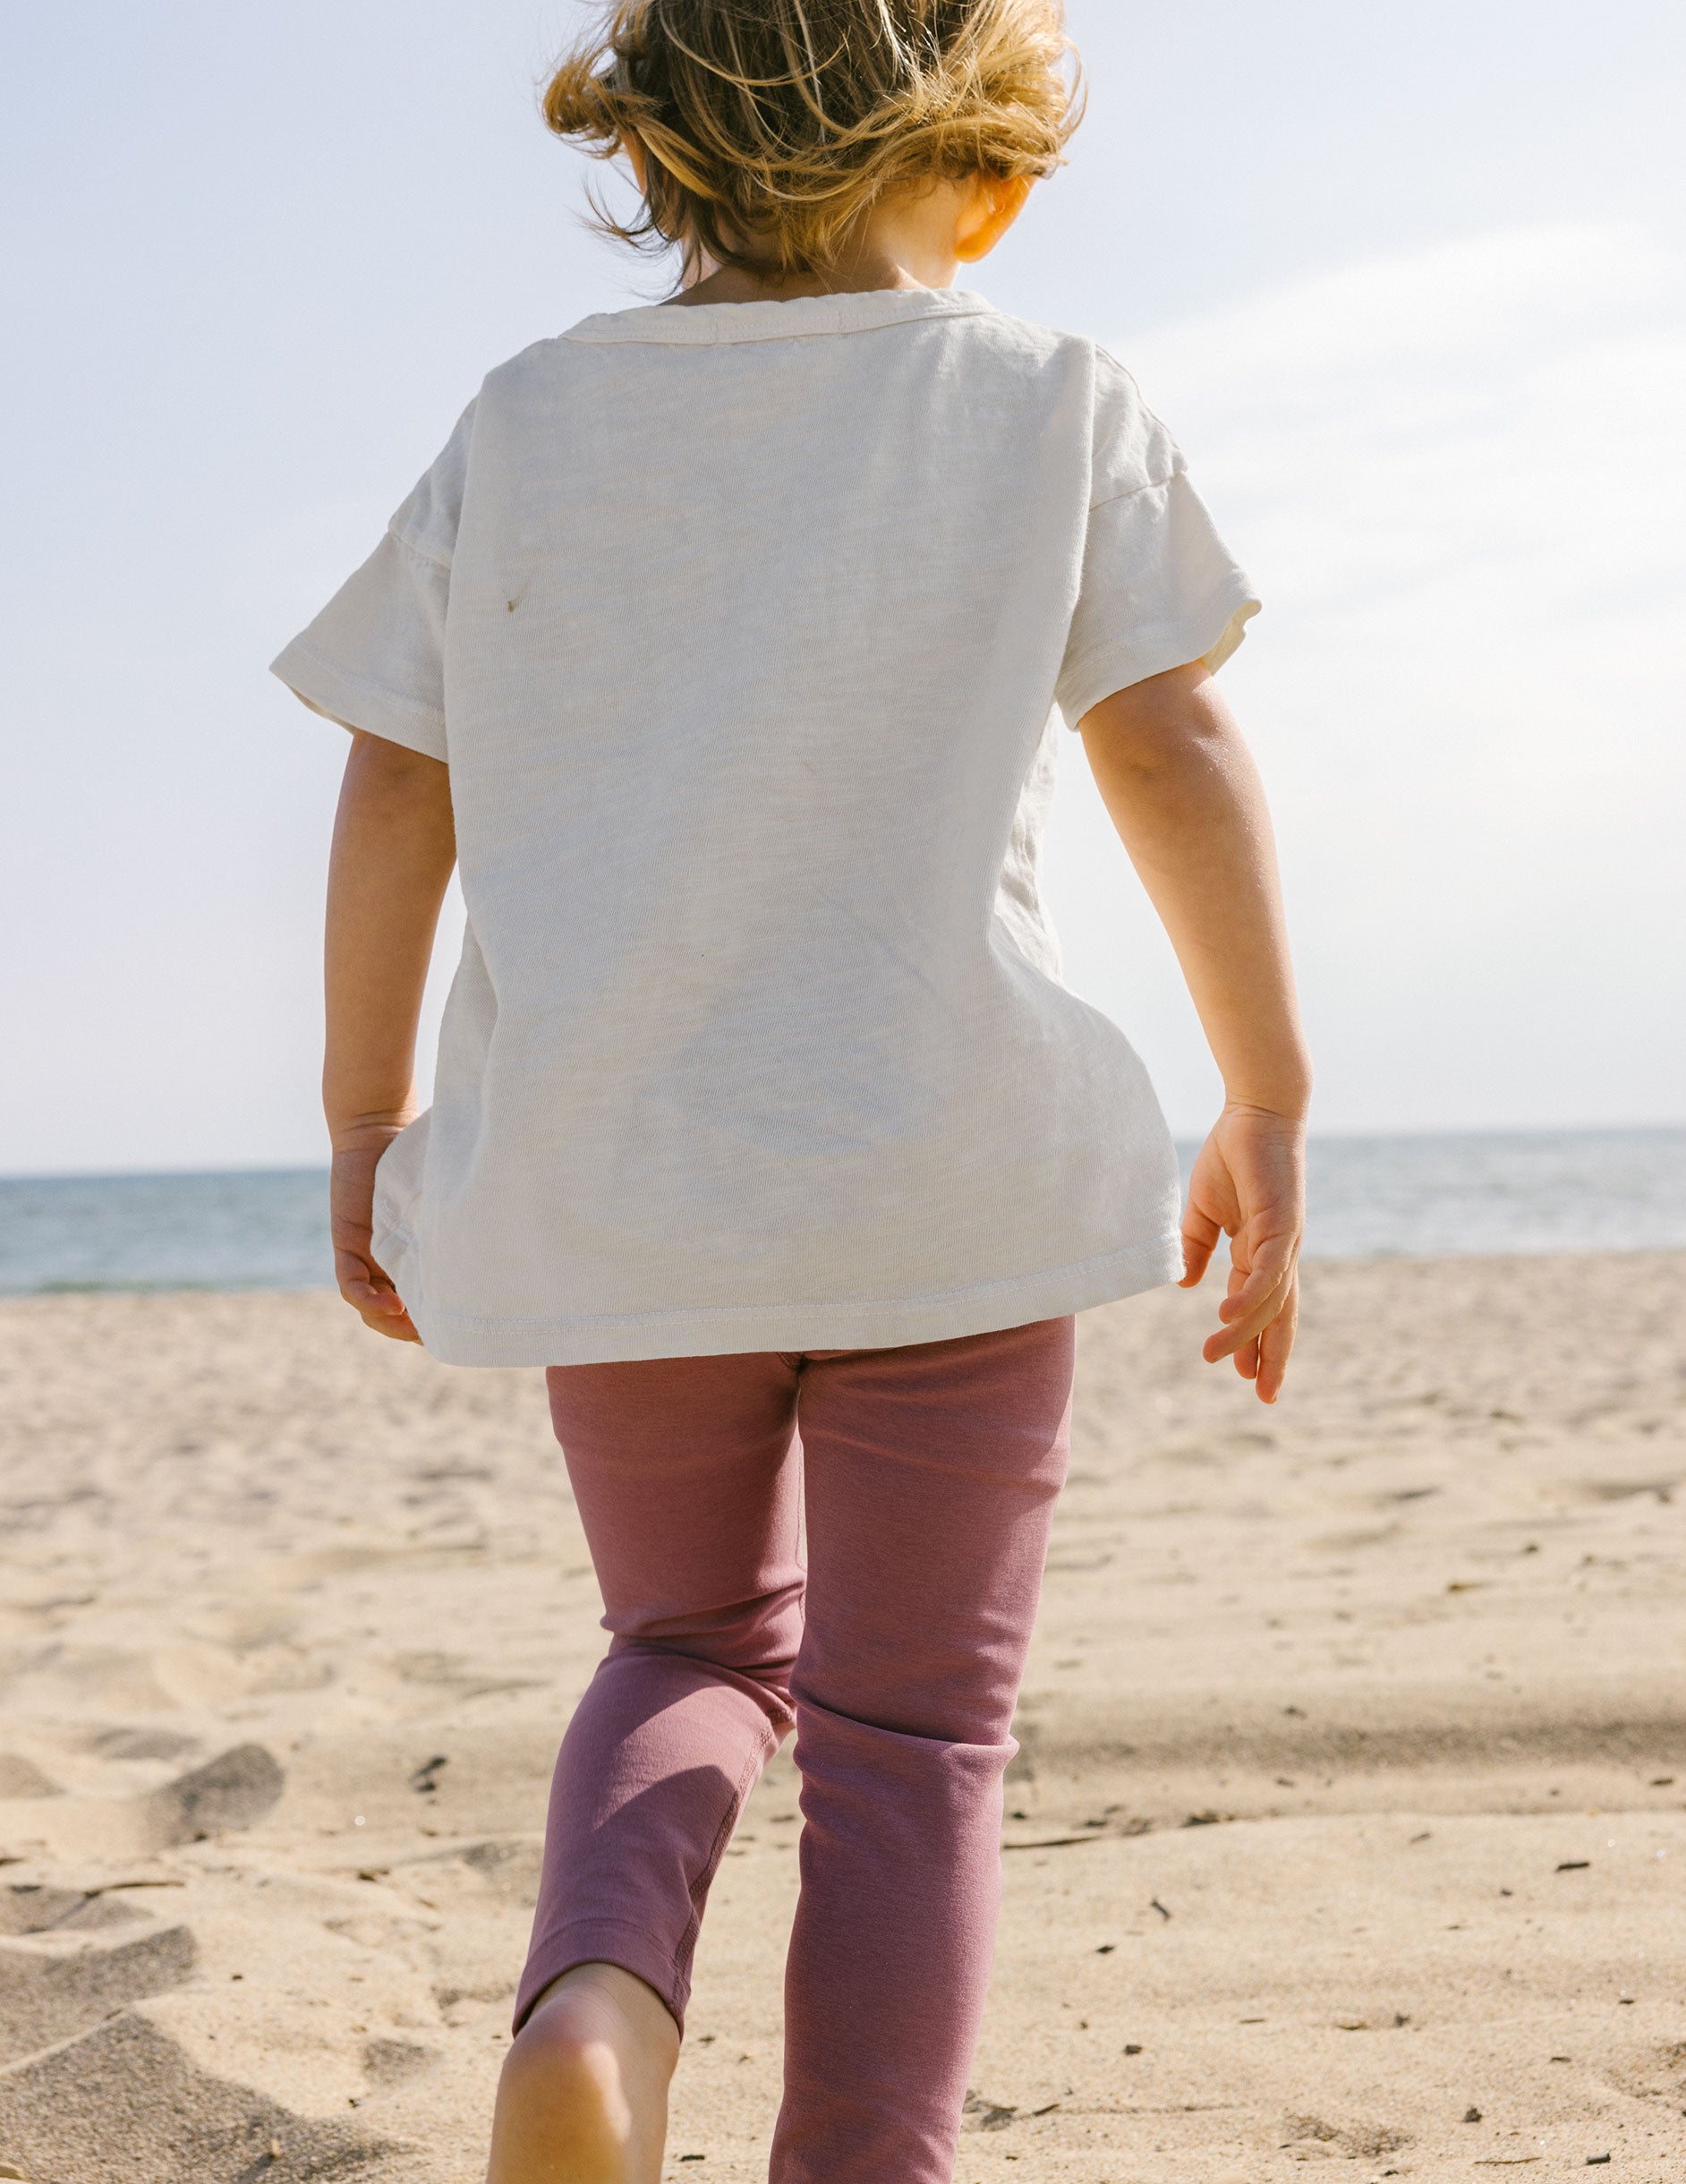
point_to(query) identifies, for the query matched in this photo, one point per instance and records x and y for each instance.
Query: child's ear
(994, 206)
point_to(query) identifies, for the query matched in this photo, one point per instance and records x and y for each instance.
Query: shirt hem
(459, 1338)
(1210, 636)
(351, 702)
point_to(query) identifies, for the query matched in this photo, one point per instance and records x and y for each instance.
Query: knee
(757, 1637)
(957, 1684)
(963, 1708)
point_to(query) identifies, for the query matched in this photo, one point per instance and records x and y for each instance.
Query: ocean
(1371, 1198)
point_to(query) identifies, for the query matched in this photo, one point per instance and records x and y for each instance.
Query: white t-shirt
(742, 628)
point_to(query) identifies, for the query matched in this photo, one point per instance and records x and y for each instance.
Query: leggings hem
(603, 1940)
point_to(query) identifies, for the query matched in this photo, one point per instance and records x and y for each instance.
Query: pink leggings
(929, 1476)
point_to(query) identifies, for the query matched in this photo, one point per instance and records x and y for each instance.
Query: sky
(1408, 284)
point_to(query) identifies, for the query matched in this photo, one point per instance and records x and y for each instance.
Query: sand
(1350, 1824)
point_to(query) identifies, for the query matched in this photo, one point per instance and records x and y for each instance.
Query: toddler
(725, 651)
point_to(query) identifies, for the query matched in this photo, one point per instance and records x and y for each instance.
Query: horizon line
(1450, 1132)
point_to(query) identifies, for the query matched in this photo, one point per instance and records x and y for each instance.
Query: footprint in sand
(91, 2089)
(21, 1778)
(1307, 2136)
(234, 1790)
(396, 2062)
(124, 1743)
(55, 1983)
(122, 2104)
(32, 1907)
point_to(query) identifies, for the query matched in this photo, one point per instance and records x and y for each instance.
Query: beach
(1348, 1823)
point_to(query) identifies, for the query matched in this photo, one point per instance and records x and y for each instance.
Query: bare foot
(583, 2094)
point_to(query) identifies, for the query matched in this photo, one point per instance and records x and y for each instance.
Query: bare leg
(583, 2096)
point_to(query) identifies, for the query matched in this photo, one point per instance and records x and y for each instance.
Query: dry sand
(1352, 1803)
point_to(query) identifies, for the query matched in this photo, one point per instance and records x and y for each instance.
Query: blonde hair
(772, 125)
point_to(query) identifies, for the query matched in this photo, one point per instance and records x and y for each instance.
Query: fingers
(1200, 1235)
(394, 1330)
(398, 1326)
(1262, 1357)
(1248, 1311)
(379, 1300)
(1262, 1311)
(1271, 1261)
(380, 1307)
(1275, 1346)
(1247, 1184)
(372, 1297)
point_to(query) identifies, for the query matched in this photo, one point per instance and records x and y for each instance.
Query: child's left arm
(1186, 801)
(395, 846)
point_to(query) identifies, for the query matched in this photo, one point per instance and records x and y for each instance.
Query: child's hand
(363, 1284)
(1249, 1185)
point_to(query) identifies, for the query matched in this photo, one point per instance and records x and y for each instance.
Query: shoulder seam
(1152, 485)
(1147, 409)
(434, 560)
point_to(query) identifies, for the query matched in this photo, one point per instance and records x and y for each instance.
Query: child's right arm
(1189, 805)
(395, 846)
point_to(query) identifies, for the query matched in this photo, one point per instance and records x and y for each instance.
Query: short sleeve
(374, 657)
(1159, 588)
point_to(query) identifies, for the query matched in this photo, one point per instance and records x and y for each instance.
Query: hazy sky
(1408, 283)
